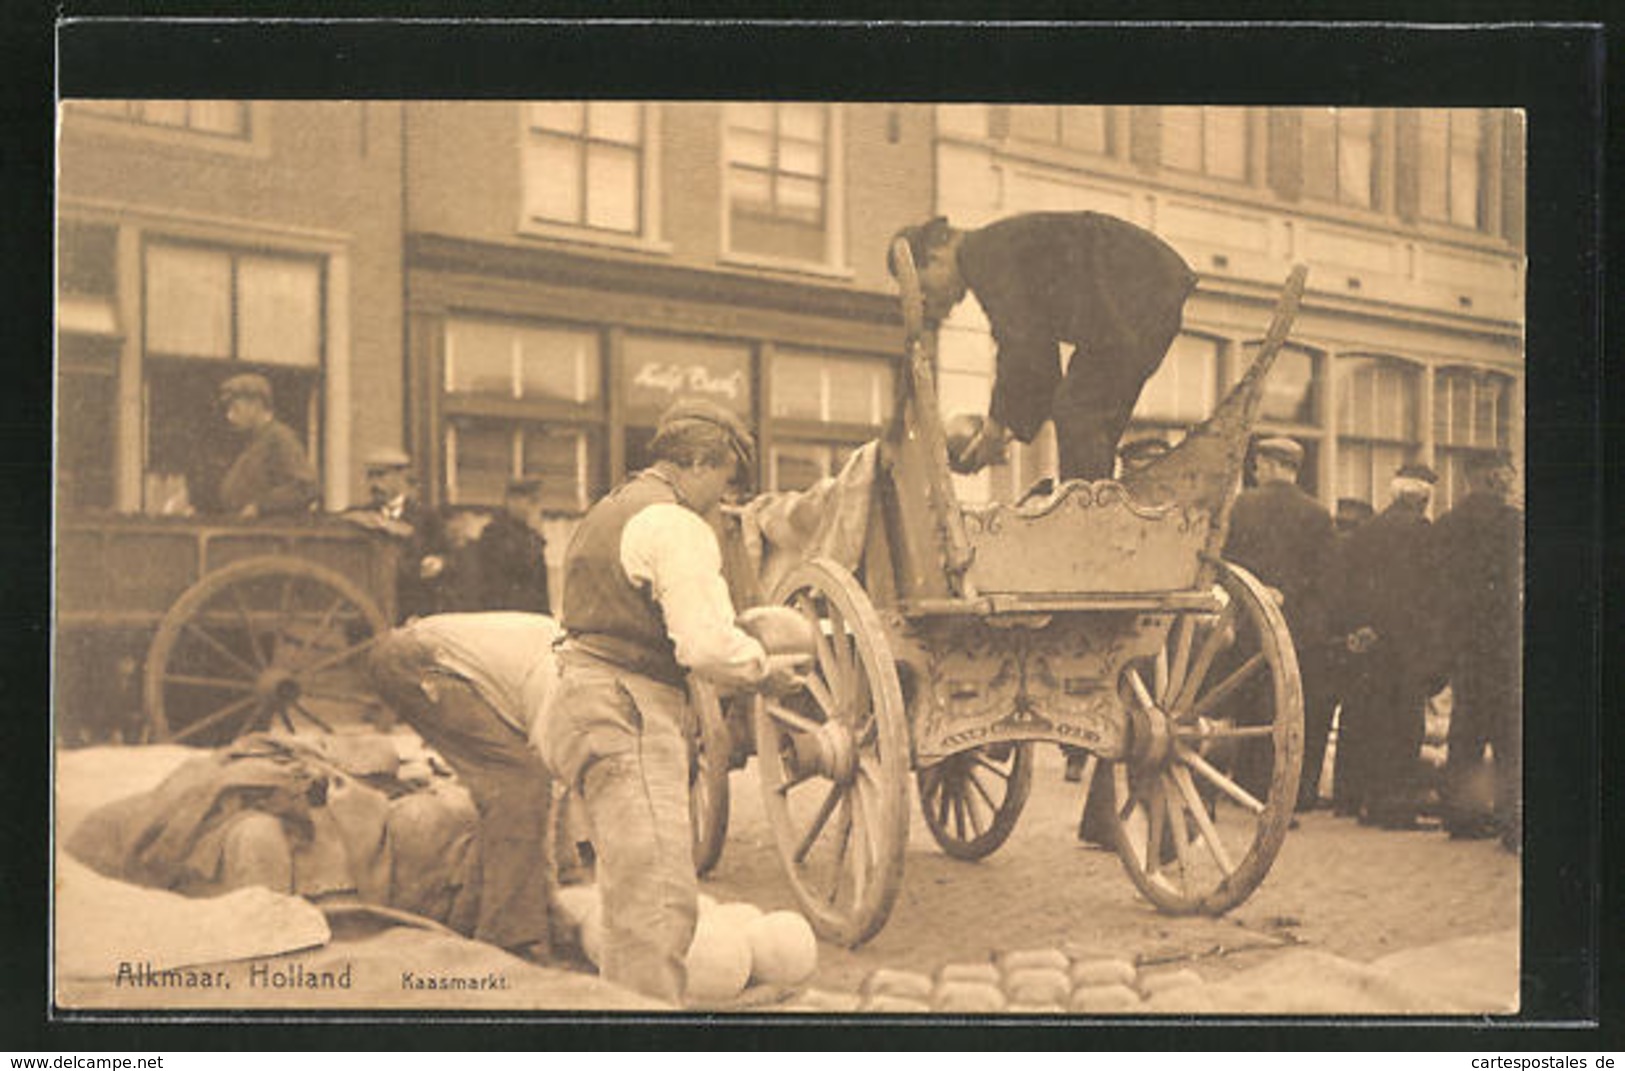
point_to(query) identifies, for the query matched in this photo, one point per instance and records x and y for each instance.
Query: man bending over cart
(1112, 290)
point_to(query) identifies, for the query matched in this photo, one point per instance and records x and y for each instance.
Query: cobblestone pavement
(1356, 892)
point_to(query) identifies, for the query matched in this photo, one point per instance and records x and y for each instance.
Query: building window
(1291, 403)
(1086, 128)
(1377, 424)
(779, 167)
(215, 118)
(1339, 155)
(584, 164)
(1183, 390)
(823, 407)
(523, 399)
(1450, 165)
(1206, 141)
(1471, 414)
(659, 369)
(210, 313)
(88, 342)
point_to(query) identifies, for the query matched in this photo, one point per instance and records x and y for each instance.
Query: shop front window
(824, 406)
(1291, 404)
(213, 312)
(1471, 415)
(523, 400)
(1183, 390)
(660, 369)
(1377, 425)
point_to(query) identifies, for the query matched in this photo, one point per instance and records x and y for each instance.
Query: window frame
(1204, 112)
(647, 236)
(1479, 117)
(254, 142)
(832, 262)
(1410, 444)
(1379, 198)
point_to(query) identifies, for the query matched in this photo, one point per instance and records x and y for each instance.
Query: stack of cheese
(735, 945)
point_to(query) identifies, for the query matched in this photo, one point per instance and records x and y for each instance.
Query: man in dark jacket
(1281, 535)
(272, 474)
(1112, 290)
(421, 580)
(510, 553)
(1477, 566)
(1380, 610)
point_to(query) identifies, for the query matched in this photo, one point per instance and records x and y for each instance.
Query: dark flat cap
(1415, 470)
(703, 410)
(247, 385)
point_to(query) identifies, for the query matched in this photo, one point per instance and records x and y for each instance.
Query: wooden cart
(229, 625)
(1101, 617)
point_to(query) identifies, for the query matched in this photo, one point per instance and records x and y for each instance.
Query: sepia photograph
(791, 557)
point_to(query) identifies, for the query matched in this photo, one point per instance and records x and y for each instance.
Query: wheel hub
(825, 752)
(1150, 742)
(277, 687)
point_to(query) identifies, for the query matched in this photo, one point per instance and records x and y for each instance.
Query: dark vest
(604, 613)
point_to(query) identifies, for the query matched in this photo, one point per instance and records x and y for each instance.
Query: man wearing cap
(644, 603)
(1281, 535)
(272, 474)
(394, 509)
(1380, 610)
(1477, 564)
(472, 686)
(1113, 291)
(511, 553)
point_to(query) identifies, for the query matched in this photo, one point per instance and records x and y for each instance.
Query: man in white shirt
(472, 686)
(644, 603)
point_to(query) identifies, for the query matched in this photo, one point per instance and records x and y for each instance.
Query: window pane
(1320, 153)
(188, 301)
(801, 199)
(560, 363)
(1034, 122)
(480, 456)
(798, 466)
(553, 179)
(801, 157)
(804, 121)
(162, 112)
(1183, 389)
(1354, 471)
(1356, 129)
(615, 121)
(279, 315)
(752, 189)
(661, 369)
(831, 389)
(564, 116)
(798, 387)
(1443, 388)
(859, 391)
(750, 117)
(85, 258)
(1433, 165)
(1464, 168)
(750, 147)
(1084, 127)
(563, 459)
(227, 117)
(1224, 141)
(1289, 388)
(612, 188)
(1182, 138)
(85, 421)
(479, 358)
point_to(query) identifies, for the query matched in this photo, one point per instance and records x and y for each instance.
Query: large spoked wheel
(833, 762)
(1205, 798)
(261, 643)
(971, 800)
(708, 777)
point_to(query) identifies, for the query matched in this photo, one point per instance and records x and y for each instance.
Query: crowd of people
(1386, 609)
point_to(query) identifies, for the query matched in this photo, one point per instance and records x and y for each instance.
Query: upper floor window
(1450, 165)
(1085, 127)
(218, 118)
(780, 163)
(1207, 141)
(1184, 388)
(1340, 155)
(585, 164)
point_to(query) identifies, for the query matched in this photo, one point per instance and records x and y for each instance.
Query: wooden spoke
(820, 820)
(863, 855)
(959, 814)
(320, 723)
(1224, 688)
(341, 656)
(1185, 629)
(798, 779)
(988, 764)
(194, 629)
(1156, 809)
(1204, 659)
(974, 782)
(1219, 781)
(784, 715)
(216, 718)
(1210, 835)
(844, 821)
(1224, 731)
(973, 814)
(248, 625)
(1181, 834)
(328, 695)
(1140, 693)
(228, 683)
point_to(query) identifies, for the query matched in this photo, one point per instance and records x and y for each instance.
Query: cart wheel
(708, 777)
(257, 644)
(971, 800)
(833, 762)
(1205, 798)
